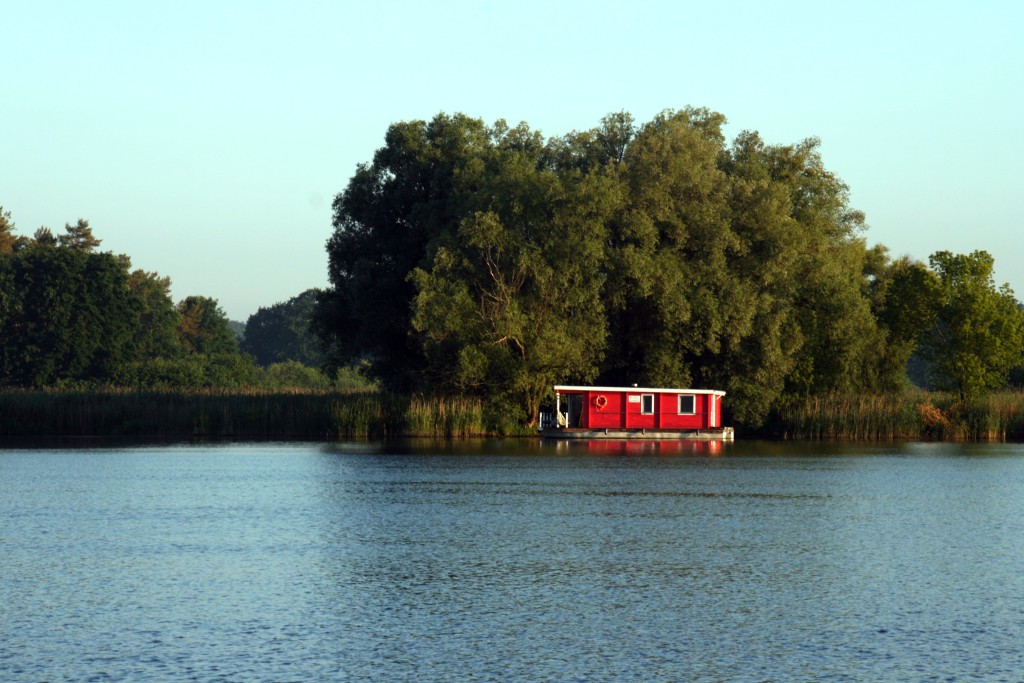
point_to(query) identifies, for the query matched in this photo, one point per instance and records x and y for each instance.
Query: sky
(207, 140)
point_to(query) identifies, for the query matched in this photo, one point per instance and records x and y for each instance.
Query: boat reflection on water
(640, 447)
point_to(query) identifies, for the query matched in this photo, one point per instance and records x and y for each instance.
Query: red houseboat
(635, 413)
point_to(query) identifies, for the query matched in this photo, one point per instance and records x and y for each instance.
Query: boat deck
(718, 434)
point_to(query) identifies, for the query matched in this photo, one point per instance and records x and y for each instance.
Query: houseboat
(635, 413)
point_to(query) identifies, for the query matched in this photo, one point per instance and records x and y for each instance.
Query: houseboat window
(687, 404)
(647, 404)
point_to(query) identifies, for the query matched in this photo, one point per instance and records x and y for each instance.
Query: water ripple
(290, 562)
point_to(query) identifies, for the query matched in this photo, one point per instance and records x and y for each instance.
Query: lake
(512, 561)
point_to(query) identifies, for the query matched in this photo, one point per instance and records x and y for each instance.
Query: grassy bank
(912, 415)
(241, 414)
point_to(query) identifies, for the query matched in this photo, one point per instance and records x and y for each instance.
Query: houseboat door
(573, 410)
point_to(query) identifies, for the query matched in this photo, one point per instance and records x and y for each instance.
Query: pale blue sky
(207, 139)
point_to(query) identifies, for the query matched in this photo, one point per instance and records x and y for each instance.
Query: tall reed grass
(911, 415)
(253, 413)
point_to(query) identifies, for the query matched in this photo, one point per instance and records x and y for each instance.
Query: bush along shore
(243, 414)
(361, 414)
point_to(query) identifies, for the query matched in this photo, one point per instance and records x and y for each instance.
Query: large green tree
(736, 267)
(65, 315)
(511, 303)
(978, 331)
(904, 298)
(812, 233)
(385, 222)
(668, 252)
(667, 257)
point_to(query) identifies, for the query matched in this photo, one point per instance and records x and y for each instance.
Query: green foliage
(44, 237)
(903, 297)
(737, 268)
(7, 238)
(512, 302)
(191, 371)
(353, 378)
(292, 374)
(65, 315)
(978, 332)
(74, 317)
(204, 328)
(669, 247)
(156, 336)
(281, 332)
(78, 237)
(490, 262)
(825, 285)
(384, 223)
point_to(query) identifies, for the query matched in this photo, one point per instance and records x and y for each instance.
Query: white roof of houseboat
(560, 388)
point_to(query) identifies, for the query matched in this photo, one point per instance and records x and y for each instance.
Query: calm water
(512, 561)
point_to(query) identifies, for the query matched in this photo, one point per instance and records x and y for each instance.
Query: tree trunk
(532, 403)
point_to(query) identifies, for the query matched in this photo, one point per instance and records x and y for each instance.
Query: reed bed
(247, 413)
(331, 414)
(997, 417)
(451, 417)
(910, 415)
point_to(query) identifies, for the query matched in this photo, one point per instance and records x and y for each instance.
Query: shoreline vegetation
(913, 415)
(242, 413)
(361, 414)
(490, 263)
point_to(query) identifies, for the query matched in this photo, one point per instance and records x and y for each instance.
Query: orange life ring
(600, 401)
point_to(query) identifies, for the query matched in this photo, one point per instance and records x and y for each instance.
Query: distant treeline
(74, 317)
(491, 262)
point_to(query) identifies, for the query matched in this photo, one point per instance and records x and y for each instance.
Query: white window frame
(693, 404)
(643, 402)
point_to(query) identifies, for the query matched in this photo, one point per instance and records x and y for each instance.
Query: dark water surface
(519, 561)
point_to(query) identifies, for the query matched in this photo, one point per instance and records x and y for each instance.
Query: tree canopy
(204, 328)
(281, 333)
(489, 260)
(7, 238)
(72, 315)
(65, 314)
(977, 332)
